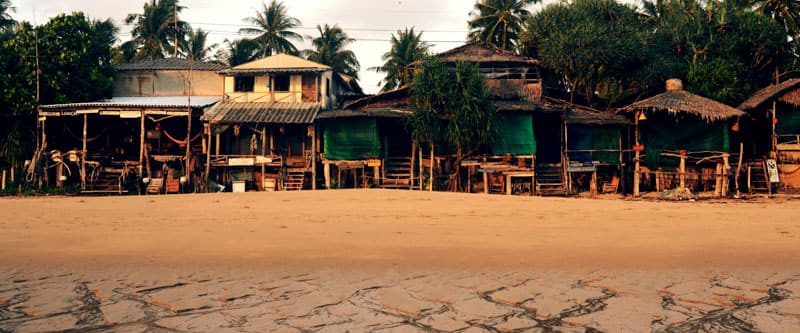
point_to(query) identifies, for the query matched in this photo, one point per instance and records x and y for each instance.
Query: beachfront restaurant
(682, 142)
(773, 147)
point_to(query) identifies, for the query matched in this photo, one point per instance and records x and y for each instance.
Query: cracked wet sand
(560, 265)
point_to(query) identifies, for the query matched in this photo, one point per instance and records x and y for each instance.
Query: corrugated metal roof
(170, 64)
(385, 112)
(269, 112)
(280, 63)
(270, 70)
(140, 102)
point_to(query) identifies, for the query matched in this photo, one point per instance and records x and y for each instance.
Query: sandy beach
(396, 261)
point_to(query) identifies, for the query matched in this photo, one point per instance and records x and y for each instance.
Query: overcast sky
(444, 22)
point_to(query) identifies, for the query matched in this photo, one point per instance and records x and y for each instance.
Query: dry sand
(396, 261)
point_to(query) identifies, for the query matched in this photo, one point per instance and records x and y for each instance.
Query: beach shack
(593, 147)
(263, 134)
(682, 141)
(146, 138)
(366, 144)
(515, 85)
(773, 143)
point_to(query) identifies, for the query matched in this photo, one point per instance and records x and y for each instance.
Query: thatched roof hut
(676, 101)
(785, 92)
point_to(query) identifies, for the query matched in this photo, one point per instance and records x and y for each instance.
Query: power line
(315, 28)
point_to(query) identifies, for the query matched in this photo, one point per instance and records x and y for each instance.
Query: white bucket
(238, 186)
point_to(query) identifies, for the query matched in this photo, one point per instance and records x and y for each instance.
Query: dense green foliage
(498, 22)
(155, 30)
(407, 47)
(604, 53)
(239, 52)
(329, 49)
(75, 64)
(272, 26)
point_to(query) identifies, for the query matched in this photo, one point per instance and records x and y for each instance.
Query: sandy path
(396, 261)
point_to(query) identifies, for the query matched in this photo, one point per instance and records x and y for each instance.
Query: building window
(244, 83)
(282, 83)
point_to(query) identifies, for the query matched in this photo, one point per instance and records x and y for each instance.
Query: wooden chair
(173, 186)
(155, 186)
(611, 187)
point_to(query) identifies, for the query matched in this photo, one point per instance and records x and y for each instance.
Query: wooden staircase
(550, 180)
(397, 173)
(295, 180)
(107, 181)
(758, 178)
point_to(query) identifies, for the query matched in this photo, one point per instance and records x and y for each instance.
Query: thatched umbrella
(676, 100)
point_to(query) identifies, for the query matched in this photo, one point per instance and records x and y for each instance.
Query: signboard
(373, 163)
(241, 161)
(581, 168)
(772, 170)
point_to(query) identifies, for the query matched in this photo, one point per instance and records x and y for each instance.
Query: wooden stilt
(413, 162)
(208, 156)
(433, 158)
(636, 156)
(682, 170)
(12, 174)
(314, 151)
(718, 180)
(141, 148)
(593, 184)
(725, 168)
(327, 170)
(83, 153)
(421, 167)
(4, 180)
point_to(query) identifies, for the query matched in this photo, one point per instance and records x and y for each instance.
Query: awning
(262, 113)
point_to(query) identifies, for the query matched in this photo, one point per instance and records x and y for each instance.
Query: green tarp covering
(788, 121)
(352, 139)
(593, 137)
(690, 135)
(514, 134)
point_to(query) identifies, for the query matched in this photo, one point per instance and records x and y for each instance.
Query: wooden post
(682, 170)
(12, 173)
(593, 184)
(4, 180)
(188, 171)
(59, 174)
(433, 158)
(718, 180)
(774, 133)
(327, 170)
(485, 177)
(271, 142)
(217, 141)
(314, 150)
(725, 168)
(636, 165)
(338, 176)
(621, 167)
(208, 155)
(83, 153)
(413, 162)
(421, 167)
(141, 146)
(749, 184)
(739, 167)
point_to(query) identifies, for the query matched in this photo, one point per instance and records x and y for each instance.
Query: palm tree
(6, 21)
(154, 31)
(272, 25)
(239, 52)
(784, 12)
(498, 22)
(329, 49)
(407, 47)
(195, 46)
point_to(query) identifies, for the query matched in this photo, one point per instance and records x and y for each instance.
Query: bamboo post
(725, 168)
(208, 155)
(636, 154)
(421, 167)
(314, 149)
(12, 173)
(718, 181)
(682, 170)
(141, 147)
(739, 167)
(413, 162)
(433, 157)
(327, 171)
(83, 153)
(749, 178)
(4, 180)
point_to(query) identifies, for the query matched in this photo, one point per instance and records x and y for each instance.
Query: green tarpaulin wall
(788, 121)
(514, 134)
(690, 135)
(585, 137)
(351, 139)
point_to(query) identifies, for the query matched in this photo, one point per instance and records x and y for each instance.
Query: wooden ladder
(758, 178)
(550, 180)
(295, 179)
(397, 173)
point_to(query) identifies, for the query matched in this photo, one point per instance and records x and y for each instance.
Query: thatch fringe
(774, 91)
(682, 101)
